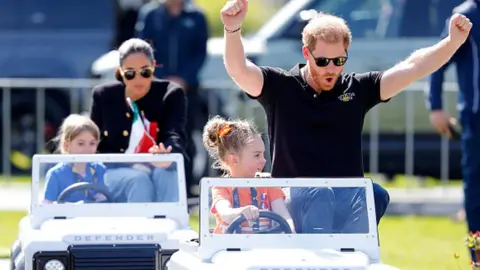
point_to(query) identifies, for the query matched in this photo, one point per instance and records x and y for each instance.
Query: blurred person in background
(179, 32)
(127, 14)
(467, 61)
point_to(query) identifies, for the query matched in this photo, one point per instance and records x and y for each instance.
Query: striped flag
(143, 134)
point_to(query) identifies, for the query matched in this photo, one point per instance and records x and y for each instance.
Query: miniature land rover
(277, 248)
(106, 233)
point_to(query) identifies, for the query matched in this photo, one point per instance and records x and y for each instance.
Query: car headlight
(54, 264)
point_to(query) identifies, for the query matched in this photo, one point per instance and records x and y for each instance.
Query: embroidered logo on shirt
(346, 97)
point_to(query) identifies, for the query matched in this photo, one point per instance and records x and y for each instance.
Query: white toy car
(277, 248)
(107, 235)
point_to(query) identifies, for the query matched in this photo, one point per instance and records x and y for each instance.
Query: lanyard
(236, 204)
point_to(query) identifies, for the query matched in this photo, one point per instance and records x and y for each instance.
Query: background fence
(405, 114)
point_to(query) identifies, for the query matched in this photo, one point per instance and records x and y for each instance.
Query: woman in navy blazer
(140, 114)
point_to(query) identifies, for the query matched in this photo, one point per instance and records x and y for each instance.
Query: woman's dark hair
(131, 46)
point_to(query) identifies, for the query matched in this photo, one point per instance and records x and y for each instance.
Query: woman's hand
(160, 149)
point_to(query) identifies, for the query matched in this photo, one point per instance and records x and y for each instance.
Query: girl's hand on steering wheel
(160, 149)
(78, 202)
(250, 212)
(99, 197)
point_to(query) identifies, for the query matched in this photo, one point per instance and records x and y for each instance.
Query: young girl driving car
(237, 148)
(78, 135)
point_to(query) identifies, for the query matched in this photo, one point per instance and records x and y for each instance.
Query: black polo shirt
(317, 135)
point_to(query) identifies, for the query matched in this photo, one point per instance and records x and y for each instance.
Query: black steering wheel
(82, 186)
(283, 224)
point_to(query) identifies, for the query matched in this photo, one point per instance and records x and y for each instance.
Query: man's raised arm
(246, 75)
(425, 61)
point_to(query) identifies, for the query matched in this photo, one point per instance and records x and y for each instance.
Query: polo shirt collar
(88, 169)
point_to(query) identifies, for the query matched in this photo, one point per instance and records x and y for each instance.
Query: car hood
(290, 259)
(113, 230)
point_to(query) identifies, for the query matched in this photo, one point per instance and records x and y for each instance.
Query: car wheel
(19, 262)
(14, 251)
(19, 266)
(165, 262)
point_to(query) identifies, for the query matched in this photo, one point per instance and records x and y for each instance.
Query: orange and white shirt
(239, 197)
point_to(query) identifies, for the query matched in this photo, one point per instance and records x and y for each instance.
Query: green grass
(427, 243)
(410, 243)
(8, 230)
(23, 179)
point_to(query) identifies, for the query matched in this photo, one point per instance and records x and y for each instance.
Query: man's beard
(319, 80)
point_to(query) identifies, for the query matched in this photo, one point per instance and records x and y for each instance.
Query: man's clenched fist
(233, 14)
(459, 28)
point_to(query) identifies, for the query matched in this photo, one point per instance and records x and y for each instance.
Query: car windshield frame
(211, 243)
(40, 212)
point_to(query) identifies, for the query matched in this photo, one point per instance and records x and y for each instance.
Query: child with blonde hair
(77, 135)
(238, 149)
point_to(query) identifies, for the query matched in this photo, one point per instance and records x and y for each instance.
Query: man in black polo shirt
(315, 112)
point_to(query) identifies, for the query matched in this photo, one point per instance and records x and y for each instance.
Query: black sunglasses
(324, 61)
(144, 72)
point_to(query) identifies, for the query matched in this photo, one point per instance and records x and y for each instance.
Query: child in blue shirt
(78, 135)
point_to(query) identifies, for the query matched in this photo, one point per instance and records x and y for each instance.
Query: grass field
(16, 179)
(410, 243)
(8, 230)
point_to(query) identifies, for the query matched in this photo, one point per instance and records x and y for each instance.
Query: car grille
(114, 257)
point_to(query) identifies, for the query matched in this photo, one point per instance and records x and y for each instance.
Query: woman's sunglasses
(144, 72)
(324, 61)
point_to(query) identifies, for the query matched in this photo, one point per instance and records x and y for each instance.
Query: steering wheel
(283, 224)
(82, 186)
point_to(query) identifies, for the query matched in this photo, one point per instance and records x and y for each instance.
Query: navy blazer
(165, 103)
